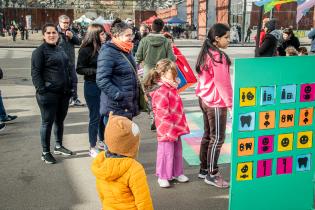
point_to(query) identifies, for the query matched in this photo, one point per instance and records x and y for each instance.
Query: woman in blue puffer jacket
(116, 74)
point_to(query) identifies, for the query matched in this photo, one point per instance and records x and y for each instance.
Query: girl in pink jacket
(170, 122)
(214, 90)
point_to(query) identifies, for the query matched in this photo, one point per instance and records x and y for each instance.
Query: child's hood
(110, 169)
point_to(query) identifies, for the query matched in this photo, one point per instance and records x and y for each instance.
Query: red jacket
(168, 109)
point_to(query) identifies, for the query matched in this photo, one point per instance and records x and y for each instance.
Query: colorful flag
(303, 8)
(270, 5)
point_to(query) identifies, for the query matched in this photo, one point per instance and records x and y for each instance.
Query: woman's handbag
(143, 99)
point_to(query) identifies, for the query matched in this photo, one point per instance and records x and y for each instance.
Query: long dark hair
(92, 37)
(217, 30)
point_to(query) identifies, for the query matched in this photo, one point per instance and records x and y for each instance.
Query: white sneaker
(93, 152)
(101, 145)
(164, 183)
(182, 178)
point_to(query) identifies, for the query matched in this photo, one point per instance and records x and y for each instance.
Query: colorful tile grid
(191, 142)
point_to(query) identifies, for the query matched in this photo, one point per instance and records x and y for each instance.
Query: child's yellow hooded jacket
(121, 183)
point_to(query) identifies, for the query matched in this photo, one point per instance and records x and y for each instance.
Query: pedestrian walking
(154, 47)
(87, 65)
(248, 33)
(51, 76)
(271, 40)
(13, 31)
(311, 35)
(214, 90)
(68, 39)
(170, 122)
(288, 40)
(116, 74)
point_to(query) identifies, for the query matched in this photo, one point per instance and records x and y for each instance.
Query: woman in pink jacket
(170, 122)
(214, 90)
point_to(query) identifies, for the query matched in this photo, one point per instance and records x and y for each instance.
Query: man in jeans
(68, 39)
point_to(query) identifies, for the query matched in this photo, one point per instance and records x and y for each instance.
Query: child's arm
(222, 81)
(140, 188)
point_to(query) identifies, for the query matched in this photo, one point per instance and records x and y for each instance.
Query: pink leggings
(169, 160)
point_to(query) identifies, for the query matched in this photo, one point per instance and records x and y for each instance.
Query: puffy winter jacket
(50, 69)
(153, 48)
(118, 82)
(169, 116)
(121, 183)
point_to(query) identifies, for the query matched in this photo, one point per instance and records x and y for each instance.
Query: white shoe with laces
(93, 152)
(182, 178)
(164, 183)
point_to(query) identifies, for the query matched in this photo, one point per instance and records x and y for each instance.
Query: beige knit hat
(122, 136)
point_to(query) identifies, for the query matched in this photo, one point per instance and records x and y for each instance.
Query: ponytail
(151, 79)
(218, 30)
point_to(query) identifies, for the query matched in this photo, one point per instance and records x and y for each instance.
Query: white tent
(101, 20)
(83, 19)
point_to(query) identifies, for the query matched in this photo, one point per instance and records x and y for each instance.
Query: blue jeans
(105, 120)
(3, 114)
(92, 96)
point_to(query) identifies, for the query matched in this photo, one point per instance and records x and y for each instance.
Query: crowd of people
(110, 62)
(277, 42)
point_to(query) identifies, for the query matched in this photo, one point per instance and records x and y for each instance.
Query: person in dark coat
(116, 74)
(68, 39)
(289, 40)
(270, 42)
(87, 65)
(52, 78)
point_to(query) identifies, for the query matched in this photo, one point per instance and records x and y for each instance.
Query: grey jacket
(311, 35)
(68, 44)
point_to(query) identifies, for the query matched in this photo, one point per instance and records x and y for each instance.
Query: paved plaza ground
(27, 183)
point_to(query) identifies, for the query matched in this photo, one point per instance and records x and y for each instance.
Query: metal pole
(271, 13)
(244, 20)
(261, 12)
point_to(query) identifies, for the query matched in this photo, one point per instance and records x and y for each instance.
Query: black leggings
(54, 109)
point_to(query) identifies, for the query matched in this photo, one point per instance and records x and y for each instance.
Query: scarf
(172, 83)
(124, 46)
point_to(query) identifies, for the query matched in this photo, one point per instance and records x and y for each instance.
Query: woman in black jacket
(289, 40)
(269, 44)
(52, 80)
(87, 65)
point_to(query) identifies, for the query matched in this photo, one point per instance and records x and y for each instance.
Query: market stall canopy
(303, 8)
(83, 19)
(150, 20)
(176, 20)
(101, 20)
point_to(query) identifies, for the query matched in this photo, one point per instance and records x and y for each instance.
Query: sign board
(272, 162)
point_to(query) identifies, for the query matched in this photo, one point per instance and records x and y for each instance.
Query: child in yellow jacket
(121, 180)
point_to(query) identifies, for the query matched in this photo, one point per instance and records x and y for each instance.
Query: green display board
(272, 163)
